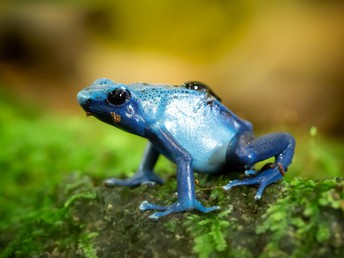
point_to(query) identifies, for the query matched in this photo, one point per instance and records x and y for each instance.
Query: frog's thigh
(278, 145)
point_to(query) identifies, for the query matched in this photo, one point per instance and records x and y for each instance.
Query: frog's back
(197, 121)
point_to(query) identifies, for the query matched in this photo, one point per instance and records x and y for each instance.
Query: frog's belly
(206, 144)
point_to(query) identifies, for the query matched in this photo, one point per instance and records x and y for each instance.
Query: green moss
(51, 227)
(209, 233)
(86, 245)
(302, 219)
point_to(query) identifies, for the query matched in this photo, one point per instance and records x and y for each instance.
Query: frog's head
(112, 103)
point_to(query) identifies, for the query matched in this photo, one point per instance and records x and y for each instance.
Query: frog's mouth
(95, 114)
(107, 118)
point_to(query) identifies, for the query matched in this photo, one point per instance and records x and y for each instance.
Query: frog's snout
(84, 99)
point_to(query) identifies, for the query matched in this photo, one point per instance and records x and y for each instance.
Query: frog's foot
(176, 207)
(262, 179)
(140, 178)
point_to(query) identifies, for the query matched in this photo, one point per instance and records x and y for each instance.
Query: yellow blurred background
(272, 62)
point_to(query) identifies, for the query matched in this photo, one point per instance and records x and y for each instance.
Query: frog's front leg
(185, 178)
(144, 174)
(248, 151)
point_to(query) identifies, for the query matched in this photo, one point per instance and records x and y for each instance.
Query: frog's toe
(166, 210)
(260, 191)
(139, 179)
(248, 181)
(201, 208)
(157, 215)
(232, 184)
(112, 182)
(208, 209)
(250, 172)
(149, 206)
(258, 196)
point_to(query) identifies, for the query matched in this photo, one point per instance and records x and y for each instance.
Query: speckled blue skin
(191, 128)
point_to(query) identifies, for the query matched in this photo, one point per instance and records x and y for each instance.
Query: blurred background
(272, 62)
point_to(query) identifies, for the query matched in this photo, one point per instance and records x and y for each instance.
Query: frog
(189, 125)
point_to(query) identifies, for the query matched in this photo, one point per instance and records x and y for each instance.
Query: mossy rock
(295, 218)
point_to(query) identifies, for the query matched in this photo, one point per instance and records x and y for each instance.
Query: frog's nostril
(84, 99)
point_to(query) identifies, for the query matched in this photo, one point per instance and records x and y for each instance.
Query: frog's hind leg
(249, 151)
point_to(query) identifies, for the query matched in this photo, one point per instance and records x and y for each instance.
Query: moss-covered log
(295, 218)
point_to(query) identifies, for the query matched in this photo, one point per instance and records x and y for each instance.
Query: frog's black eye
(118, 96)
(195, 85)
(199, 86)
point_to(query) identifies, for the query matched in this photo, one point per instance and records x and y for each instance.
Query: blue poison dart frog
(188, 125)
